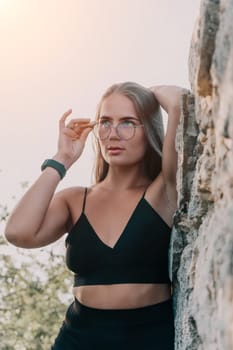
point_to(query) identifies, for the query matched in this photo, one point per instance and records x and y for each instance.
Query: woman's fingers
(70, 133)
(75, 123)
(76, 129)
(66, 114)
(85, 131)
(63, 118)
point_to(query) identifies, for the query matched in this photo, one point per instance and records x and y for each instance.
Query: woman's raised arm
(41, 217)
(169, 97)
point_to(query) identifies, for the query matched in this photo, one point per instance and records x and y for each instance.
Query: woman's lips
(114, 150)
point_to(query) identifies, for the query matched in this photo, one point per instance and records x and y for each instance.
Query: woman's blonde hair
(149, 112)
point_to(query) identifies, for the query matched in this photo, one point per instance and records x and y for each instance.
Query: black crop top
(139, 256)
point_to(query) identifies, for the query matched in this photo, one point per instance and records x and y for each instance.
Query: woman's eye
(127, 123)
(104, 123)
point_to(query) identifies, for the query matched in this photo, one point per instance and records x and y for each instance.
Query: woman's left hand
(168, 96)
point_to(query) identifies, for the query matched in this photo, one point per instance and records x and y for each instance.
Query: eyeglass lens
(123, 131)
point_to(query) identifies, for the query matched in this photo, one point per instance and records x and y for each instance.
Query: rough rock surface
(201, 250)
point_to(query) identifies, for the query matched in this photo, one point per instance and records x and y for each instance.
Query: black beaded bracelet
(56, 165)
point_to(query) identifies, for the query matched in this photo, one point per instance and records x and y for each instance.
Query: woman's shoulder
(74, 199)
(71, 193)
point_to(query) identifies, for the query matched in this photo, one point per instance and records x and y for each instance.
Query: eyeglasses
(125, 130)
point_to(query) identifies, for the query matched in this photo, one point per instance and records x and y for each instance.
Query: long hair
(148, 109)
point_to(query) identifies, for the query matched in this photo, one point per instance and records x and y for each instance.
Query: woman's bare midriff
(122, 296)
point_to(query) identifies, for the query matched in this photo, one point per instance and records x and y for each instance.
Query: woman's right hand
(72, 138)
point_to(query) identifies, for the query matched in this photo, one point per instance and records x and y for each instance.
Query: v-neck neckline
(122, 234)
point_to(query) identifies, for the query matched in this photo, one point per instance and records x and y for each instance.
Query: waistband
(123, 274)
(79, 314)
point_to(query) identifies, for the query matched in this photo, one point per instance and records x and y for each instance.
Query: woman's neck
(123, 178)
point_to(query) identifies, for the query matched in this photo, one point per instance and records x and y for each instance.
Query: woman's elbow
(18, 239)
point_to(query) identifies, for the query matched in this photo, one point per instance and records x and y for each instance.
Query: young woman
(119, 228)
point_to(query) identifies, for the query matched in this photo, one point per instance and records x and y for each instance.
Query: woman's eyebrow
(121, 118)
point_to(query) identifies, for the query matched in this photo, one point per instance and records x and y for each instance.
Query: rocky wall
(201, 251)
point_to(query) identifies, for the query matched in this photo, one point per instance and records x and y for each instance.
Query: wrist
(63, 160)
(57, 166)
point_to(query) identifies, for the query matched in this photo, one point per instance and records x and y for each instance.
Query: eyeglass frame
(110, 126)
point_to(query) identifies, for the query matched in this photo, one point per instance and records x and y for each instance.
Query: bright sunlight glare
(5, 3)
(8, 6)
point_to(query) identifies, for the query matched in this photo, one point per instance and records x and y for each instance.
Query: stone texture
(201, 250)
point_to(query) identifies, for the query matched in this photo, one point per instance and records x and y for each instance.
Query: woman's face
(116, 109)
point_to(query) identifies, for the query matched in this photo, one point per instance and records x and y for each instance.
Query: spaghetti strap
(84, 199)
(143, 195)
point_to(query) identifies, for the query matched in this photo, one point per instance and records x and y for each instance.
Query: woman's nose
(113, 132)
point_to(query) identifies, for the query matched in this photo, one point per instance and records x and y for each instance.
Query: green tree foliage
(34, 295)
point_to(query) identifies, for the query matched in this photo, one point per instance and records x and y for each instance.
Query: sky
(61, 54)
